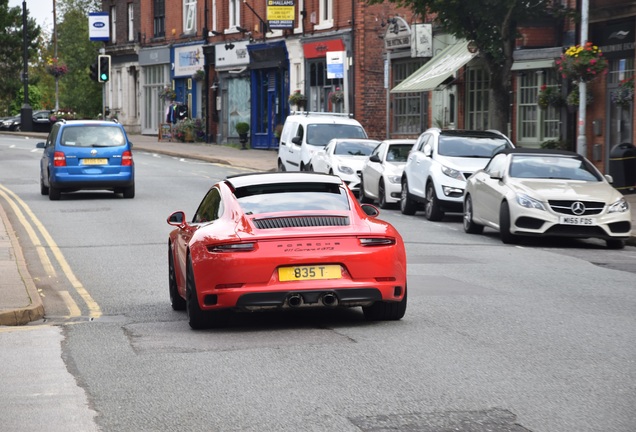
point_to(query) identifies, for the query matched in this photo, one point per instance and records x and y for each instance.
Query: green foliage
(242, 128)
(555, 144)
(35, 100)
(11, 49)
(77, 91)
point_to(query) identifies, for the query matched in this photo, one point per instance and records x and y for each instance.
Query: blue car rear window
(92, 136)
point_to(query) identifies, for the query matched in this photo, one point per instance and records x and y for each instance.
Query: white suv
(304, 133)
(438, 165)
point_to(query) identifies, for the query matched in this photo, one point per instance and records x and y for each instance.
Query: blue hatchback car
(87, 154)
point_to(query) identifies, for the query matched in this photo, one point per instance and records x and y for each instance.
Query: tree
(75, 49)
(11, 52)
(493, 25)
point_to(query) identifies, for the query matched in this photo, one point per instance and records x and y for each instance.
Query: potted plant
(573, 98)
(582, 62)
(624, 93)
(242, 128)
(199, 75)
(298, 99)
(167, 94)
(337, 96)
(549, 96)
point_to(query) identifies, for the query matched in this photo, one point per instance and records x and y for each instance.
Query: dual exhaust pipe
(327, 299)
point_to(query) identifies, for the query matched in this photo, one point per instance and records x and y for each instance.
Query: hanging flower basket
(298, 99)
(582, 63)
(549, 97)
(337, 96)
(199, 75)
(624, 94)
(573, 97)
(167, 94)
(56, 68)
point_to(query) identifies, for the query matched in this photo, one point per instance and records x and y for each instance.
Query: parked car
(284, 241)
(537, 192)
(86, 155)
(344, 157)
(382, 172)
(305, 133)
(438, 165)
(41, 122)
(11, 123)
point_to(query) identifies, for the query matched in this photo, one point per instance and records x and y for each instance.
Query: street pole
(57, 90)
(581, 143)
(26, 113)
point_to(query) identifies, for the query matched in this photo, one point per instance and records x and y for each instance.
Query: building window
(299, 18)
(408, 112)
(536, 125)
(159, 23)
(113, 24)
(235, 13)
(477, 99)
(131, 22)
(325, 14)
(189, 16)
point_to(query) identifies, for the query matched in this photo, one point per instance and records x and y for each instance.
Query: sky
(41, 10)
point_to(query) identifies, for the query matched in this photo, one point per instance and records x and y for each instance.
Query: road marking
(93, 307)
(70, 304)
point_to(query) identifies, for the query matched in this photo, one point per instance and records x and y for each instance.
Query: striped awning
(437, 70)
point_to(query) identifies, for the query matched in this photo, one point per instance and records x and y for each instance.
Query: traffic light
(104, 68)
(94, 74)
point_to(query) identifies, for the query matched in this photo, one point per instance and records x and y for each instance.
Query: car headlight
(394, 179)
(345, 169)
(527, 202)
(452, 173)
(619, 206)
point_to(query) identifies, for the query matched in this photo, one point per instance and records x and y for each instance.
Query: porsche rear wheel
(386, 311)
(198, 318)
(178, 303)
(504, 225)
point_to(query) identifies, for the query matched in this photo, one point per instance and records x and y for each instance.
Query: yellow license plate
(94, 161)
(309, 272)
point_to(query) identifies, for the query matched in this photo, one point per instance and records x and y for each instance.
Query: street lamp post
(26, 113)
(57, 93)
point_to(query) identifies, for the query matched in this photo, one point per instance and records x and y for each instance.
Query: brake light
(233, 247)
(377, 241)
(126, 158)
(59, 159)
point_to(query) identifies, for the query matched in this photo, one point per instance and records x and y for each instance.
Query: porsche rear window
(92, 136)
(285, 197)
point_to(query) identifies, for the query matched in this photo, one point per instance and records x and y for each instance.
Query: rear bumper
(104, 181)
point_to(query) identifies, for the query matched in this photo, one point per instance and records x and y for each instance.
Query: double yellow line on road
(15, 202)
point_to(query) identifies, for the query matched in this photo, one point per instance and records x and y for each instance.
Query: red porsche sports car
(280, 241)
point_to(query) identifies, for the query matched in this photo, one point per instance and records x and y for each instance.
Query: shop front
(155, 75)
(188, 77)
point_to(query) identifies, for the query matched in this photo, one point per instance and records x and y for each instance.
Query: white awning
(437, 70)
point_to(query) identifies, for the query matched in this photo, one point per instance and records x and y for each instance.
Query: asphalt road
(498, 338)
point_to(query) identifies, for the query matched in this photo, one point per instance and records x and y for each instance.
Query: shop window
(409, 112)
(476, 110)
(131, 23)
(534, 124)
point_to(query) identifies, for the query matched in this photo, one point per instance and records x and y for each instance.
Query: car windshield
(285, 197)
(320, 134)
(398, 152)
(354, 148)
(552, 167)
(471, 146)
(92, 136)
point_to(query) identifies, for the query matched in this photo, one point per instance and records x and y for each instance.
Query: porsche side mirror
(370, 210)
(176, 219)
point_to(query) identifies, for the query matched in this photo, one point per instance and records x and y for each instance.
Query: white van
(304, 133)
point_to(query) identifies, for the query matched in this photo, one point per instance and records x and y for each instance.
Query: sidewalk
(20, 302)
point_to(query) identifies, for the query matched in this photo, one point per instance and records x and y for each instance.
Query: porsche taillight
(59, 159)
(377, 241)
(232, 247)
(126, 158)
